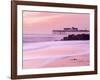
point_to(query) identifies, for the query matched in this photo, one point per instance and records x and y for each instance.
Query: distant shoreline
(44, 38)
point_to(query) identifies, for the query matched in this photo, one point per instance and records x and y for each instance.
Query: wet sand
(60, 54)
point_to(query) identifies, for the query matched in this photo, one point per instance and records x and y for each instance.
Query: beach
(56, 54)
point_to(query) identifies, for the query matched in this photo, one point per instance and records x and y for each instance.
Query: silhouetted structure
(73, 29)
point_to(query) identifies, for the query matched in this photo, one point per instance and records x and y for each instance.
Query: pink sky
(45, 22)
